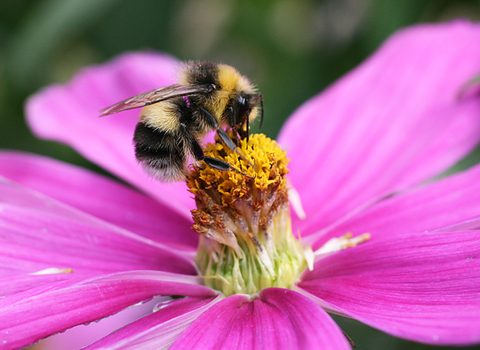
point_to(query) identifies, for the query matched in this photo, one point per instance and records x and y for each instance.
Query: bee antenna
(248, 127)
(260, 97)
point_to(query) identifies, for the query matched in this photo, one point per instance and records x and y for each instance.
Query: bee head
(242, 110)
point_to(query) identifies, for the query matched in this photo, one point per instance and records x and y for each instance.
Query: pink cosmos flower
(360, 155)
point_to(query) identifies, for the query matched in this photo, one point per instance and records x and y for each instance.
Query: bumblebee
(174, 119)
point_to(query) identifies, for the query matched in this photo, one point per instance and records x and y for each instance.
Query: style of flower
(77, 246)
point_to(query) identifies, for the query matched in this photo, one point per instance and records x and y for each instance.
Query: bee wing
(155, 96)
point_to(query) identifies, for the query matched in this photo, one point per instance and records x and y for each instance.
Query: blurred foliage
(291, 49)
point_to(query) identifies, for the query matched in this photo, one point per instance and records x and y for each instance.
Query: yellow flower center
(246, 241)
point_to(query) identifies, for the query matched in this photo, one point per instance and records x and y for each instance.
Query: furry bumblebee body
(174, 119)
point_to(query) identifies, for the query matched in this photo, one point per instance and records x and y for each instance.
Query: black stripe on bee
(202, 73)
(161, 151)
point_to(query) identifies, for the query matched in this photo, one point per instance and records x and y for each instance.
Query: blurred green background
(291, 49)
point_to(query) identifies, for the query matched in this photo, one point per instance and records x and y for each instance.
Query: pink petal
(15, 283)
(81, 336)
(277, 319)
(392, 122)
(157, 330)
(466, 225)
(422, 287)
(37, 233)
(100, 197)
(69, 113)
(445, 203)
(32, 315)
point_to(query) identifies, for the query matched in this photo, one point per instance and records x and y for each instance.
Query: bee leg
(221, 165)
(197, 152)
(227, 141)
(209, 118)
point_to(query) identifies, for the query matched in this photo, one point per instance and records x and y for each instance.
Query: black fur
(202, 72)
(158, 149)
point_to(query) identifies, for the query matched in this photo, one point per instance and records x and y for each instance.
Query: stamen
(52, 271)
(309, 257)
(343, 242)
(296, 202)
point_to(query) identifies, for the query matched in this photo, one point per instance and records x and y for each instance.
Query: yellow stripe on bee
(228, 78)
(161, 116)
(232, 81)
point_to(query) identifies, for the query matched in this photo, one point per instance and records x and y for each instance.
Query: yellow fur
(231, 82)
(161, 116)
(182, 74)
(228, 78)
